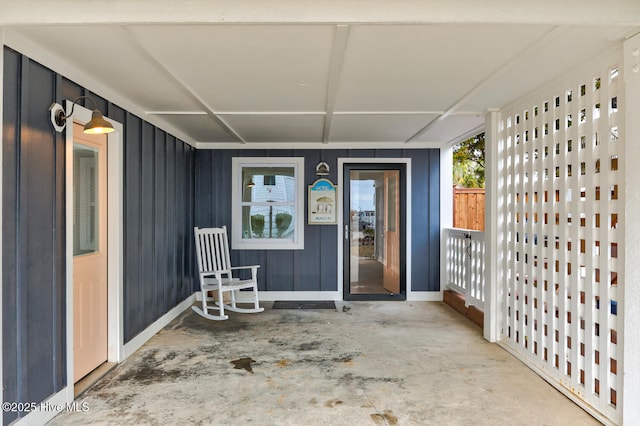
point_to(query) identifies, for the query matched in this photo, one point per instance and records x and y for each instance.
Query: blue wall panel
(146, 193)
(159, 220)
(37, 235)
(132, 218)
(433, 238)
(33, 234)
(425, 243)
(170, 226)
(315, 268)
(10, 198)
(159, 214)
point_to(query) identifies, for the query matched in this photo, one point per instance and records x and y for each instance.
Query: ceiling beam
(334, 112)
(118, 12)
(335, 68)
(467, 135)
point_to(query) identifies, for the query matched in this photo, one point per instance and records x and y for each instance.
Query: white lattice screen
(560, 232)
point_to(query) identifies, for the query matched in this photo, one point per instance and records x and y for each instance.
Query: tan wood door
(391, 264)
(89, 252)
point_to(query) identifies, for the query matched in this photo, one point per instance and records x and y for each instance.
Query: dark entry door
(374, 258)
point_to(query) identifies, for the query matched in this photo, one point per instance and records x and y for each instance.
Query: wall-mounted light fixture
(97, 124)
(322, 169)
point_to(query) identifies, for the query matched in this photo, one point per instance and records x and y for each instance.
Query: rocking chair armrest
(244, 267)
(207, 274)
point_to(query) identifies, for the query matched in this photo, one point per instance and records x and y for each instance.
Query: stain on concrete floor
(386, 418)
(243, 364)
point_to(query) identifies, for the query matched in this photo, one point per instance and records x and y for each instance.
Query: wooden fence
(468, 208)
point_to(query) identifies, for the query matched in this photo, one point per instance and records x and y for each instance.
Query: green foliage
(468, 163)
(257, 224)
(283, 220)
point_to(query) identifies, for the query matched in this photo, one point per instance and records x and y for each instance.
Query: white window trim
(237, 243)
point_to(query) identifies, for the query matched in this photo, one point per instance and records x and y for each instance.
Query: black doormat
(305, 304)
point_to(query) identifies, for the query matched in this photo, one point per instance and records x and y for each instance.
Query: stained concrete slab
(365, 363)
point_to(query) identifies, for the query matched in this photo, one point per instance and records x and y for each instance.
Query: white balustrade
(464, 261)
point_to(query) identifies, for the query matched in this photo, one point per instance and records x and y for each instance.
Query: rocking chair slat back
(213, 254)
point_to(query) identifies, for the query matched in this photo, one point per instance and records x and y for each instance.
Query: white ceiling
(239, 76)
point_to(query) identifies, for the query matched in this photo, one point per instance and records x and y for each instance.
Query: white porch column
(446, 207)
(446, 185)
(491, 217)
(631, 282)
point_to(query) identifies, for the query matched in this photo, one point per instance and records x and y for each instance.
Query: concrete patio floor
(365, 363)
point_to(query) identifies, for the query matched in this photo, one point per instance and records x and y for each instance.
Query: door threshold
(92, 378)
(375, 298)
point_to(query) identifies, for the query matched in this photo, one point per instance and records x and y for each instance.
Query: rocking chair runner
(215, 270)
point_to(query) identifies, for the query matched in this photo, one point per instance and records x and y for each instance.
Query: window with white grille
(561, 183)
(267, 210)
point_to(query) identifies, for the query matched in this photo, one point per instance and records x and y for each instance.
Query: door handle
(346, 232)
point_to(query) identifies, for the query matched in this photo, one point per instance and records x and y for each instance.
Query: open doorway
(374, 267)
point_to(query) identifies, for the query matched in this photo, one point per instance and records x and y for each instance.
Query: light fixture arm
(60, 116)
(97, 124)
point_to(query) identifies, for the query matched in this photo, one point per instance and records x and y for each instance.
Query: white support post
(446, 179)
(491, 227)
(446, 207)
(631, 284)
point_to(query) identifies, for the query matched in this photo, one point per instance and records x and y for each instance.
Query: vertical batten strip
(538, 212)
(572, 246)
(590, 253)
(527, 240)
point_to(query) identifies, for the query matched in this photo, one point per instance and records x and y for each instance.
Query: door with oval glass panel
(90, 327)
(374, 237)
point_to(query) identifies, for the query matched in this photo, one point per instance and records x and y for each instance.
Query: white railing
(464, 264)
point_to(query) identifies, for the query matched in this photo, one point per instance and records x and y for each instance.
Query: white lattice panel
(561, 182)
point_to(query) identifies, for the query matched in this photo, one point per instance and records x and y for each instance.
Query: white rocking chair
(215, 270)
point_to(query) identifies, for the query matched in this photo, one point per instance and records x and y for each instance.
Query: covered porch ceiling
(314, 74)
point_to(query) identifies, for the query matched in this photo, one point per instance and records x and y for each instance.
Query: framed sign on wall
(322, 202)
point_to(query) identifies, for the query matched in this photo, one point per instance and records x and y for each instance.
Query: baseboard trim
(49, 408)
(424, 296)
(272, 296)
(146, 334)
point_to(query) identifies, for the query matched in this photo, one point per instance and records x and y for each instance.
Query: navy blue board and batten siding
(315, 268)
(158, 226)
(33, 233)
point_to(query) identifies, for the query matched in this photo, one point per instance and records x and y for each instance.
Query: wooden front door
(391, 263)
(89, 252)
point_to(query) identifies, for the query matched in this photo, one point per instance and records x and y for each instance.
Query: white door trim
(341, 162)
(115, 239)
